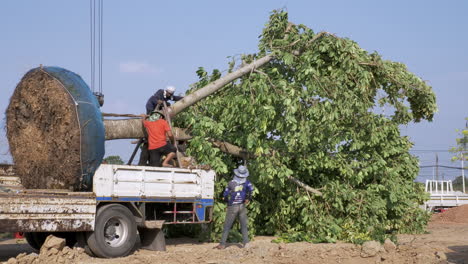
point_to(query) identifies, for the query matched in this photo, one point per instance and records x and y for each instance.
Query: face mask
(153, 117)
(239, 179)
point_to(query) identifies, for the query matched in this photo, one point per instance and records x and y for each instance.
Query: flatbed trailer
(125, 201)
(442, 195)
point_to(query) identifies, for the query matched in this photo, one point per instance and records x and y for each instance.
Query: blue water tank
(90, 121)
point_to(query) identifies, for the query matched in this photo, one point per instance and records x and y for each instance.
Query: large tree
(314, 111)
(461, 150)
(461, 154)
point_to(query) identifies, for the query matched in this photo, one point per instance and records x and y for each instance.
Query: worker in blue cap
(237, 194)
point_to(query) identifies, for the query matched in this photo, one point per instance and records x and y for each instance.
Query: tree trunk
(133, 128)
(211, 88)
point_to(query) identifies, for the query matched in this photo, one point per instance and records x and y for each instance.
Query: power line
(441, 166)
(429, 150)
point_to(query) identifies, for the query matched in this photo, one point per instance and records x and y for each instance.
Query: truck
(443, 196)
(126, 201)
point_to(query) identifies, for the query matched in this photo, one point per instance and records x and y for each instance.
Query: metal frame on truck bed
(126, 200)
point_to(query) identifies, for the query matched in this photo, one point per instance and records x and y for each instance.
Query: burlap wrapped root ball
(43, 133)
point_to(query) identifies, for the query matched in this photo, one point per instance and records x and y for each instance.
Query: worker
(156, 101)
(160, 97)
(237, 194)
(158, 128)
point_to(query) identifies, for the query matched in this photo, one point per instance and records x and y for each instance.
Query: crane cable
(101, 17)
(96, 28)
(92, 18)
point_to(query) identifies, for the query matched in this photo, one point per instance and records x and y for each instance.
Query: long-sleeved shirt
(160, 95)
(237, 193)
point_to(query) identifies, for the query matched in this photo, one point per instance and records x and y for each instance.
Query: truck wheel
(31, 241)
(70, 238)
(115, 232)
(36, 239)
(81, 240)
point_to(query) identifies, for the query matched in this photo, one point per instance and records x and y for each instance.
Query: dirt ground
(446, 242)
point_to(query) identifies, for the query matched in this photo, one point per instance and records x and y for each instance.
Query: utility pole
(463, 171)
(437, 166)
(464, 142)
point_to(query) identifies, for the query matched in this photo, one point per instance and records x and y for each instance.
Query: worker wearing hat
(156, 101)
(160, 97)
(158, 128)
(237, 194)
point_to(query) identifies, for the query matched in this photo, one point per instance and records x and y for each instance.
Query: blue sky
(151, 44)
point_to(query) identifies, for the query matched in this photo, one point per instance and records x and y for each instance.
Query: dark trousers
(155, 158)
(144, 155)
(155, 154)
(232, 212)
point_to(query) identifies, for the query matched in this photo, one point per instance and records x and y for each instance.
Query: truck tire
(36, 239)
(81, 240)
(31, 241)
(115, 232)
(70, 238)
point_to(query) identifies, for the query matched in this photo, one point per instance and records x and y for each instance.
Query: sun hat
(241, 172)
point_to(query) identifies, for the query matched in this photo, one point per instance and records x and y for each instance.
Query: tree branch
(242, 153)
(209, 89)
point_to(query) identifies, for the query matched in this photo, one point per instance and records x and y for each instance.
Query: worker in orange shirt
(158, 128)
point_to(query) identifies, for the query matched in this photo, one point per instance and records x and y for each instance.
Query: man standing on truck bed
(157, 128)
(160, 97)
(156, 101)
(237, 194)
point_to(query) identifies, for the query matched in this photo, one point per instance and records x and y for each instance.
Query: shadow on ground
(12, 250)
(459, 254)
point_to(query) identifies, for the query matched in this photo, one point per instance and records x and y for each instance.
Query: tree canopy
(461, 150)
(315, 112)
(115, 159)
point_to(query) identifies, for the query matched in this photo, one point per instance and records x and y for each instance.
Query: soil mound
(43, 133)
(53, 255)
(455, 215)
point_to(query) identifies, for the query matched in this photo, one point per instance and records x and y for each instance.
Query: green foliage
(313, 113)
(6, 236)
(461, 150)
(117, 160)
(458, 183)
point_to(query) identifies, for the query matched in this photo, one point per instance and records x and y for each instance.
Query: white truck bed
(115, 181)
(442, 195)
